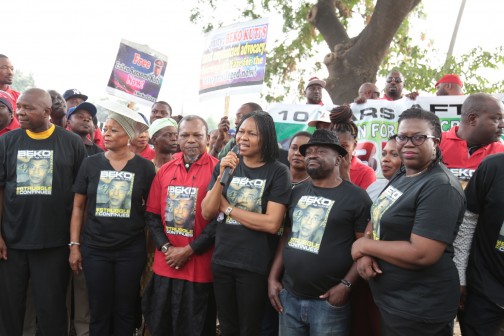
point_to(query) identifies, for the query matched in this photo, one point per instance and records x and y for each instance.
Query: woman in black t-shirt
(110, 193)
(414, 222)
(254, 202)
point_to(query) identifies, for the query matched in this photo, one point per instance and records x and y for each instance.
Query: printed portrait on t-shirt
(499, 246)
(244, 193)
(388, 197)
(309, 220)
(114, 194)
(180, 210)
(34, 172)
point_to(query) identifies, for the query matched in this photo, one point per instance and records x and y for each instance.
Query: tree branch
(323, 17)
(374, 41)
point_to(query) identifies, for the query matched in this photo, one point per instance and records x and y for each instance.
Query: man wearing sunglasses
(394, 86)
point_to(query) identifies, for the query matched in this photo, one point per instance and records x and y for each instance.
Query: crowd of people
(163, 227)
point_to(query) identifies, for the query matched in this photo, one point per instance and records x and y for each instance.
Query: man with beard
(58, 109)
(317, 274)
(80, 121)
(449, 85)
(163, 134)
(313, 91)
(478, 135)
(179, 299)
(394, 86)
(6, 77)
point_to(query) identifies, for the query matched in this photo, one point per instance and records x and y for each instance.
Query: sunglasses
(395, 79)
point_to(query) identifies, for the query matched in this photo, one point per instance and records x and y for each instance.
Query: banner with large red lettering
(138, 73)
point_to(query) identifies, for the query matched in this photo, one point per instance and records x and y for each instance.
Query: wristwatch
(228, 211)
(346, 283)
(165, 247)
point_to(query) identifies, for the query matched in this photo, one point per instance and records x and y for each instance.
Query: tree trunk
(355, 61)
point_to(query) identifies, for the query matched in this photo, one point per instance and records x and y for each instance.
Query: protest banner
(376, 120)
(234, 59)
(137, 74)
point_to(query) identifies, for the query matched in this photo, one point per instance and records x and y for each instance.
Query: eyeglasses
(395, 79)
(416, 140)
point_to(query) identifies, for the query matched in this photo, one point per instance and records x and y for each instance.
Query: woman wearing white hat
(113, 240)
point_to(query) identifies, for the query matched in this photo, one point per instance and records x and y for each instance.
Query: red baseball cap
(450, 78)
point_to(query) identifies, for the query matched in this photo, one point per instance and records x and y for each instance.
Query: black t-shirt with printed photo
(250, 189)
(485, 197)
(36, 175)
(430, 205)
(115, 203)
(323, 224)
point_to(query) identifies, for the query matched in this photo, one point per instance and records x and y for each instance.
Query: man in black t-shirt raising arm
(38, 164)
(324, 218)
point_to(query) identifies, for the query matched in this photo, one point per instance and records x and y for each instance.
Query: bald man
(478, 135)
(34, 230)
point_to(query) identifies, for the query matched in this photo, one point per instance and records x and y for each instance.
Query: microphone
(227, 170)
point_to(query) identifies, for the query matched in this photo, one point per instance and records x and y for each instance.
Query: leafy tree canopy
(380, 41)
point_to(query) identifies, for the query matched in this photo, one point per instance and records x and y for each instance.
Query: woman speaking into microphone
(254, 201)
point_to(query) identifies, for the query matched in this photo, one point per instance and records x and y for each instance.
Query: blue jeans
(312, 317)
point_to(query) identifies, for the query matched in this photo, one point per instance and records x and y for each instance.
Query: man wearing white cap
(313, 91)
(163, 133)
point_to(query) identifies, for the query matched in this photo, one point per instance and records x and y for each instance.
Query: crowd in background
(165, 227)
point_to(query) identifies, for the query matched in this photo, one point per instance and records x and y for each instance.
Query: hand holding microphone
(233, 161)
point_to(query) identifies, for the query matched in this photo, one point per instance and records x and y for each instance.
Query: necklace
(298, 182)
(416, 174)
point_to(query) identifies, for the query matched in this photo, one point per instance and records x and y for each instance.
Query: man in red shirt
(449, 85)
(6, 77)
(7, 120)
(478, 135)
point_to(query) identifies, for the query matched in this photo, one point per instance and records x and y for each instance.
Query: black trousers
(481, 317)
(48, 270)
(240, 297)
(113, 282)
(175, 307)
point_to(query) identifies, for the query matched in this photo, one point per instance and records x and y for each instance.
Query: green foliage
(299, 53)
(22, 81)
(421, 73)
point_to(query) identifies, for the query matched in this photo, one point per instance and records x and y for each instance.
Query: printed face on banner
(244, 193)
(114, 194)
(180, 210)
(137, 73)
(34, 172)
(309, 220)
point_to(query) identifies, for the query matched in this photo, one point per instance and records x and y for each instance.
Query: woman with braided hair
(352, 168)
